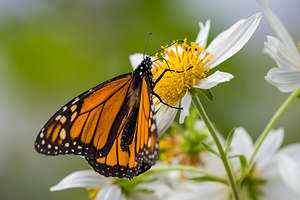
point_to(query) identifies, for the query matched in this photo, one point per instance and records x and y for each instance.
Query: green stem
(213, 133)
(186, 169)
(271, 123)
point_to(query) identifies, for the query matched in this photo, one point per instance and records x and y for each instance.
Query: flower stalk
(198, 105)
(270, 125)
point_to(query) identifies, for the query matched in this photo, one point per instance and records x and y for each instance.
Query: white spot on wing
(64, 108)
(75, 100)
(58, 117)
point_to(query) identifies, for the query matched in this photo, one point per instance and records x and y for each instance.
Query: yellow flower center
(190, 60)
(299, 46)
(171, 150)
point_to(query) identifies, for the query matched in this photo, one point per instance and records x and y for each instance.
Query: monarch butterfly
(112, 125)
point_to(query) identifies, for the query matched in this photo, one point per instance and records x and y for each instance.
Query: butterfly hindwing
(142, 151)
(146, 140)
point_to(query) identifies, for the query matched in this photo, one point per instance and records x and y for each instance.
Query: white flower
(289, 166)
(196, 61)
(109, 189)
(286, 77)
(271, 168)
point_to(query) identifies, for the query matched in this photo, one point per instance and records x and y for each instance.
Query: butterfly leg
(179, 108)
(169, 70)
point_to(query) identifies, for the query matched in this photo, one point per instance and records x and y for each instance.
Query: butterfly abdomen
(129, 127)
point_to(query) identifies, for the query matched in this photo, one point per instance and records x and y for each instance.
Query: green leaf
(229, 140)
(243, 161)
(208, 179)
(208, 148)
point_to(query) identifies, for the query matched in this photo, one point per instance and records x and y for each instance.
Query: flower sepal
(229, 140)
(129, 187)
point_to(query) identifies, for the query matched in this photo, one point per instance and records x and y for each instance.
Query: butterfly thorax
(141, 71)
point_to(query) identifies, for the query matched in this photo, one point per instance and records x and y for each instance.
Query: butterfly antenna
(161, 49)
(146, 44)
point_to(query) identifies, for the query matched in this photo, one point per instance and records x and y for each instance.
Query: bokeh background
(50, 51)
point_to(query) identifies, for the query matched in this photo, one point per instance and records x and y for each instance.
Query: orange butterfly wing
(142, 152)
(78, 126)
(92, 125)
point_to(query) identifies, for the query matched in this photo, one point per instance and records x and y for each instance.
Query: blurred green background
(51, 51)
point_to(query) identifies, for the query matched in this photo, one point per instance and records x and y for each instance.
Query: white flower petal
(289, 170)
(185, 103)
(232, 40)
(213, 164)
(241, 143)
(213, 80)
(136, 59)
(269, 147)
(282, 54)
(279, 28)
(269, 170)
(289, 166)
(206, 191)
(81, 179)
(110, 193)
(276, 189)
(142, 196)
(164, 118)
(201, 39)
(160, 189)
(292, 150)
(285, 79)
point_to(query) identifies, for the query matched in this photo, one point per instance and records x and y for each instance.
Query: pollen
(189, 62)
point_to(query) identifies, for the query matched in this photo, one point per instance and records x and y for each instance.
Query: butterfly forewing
(76, 128)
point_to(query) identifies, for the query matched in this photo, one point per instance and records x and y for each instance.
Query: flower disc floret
(189, 63)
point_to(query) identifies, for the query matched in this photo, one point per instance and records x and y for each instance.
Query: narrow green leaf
(229, 140)
(208, 148)
(243, 162)
(208, 179)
